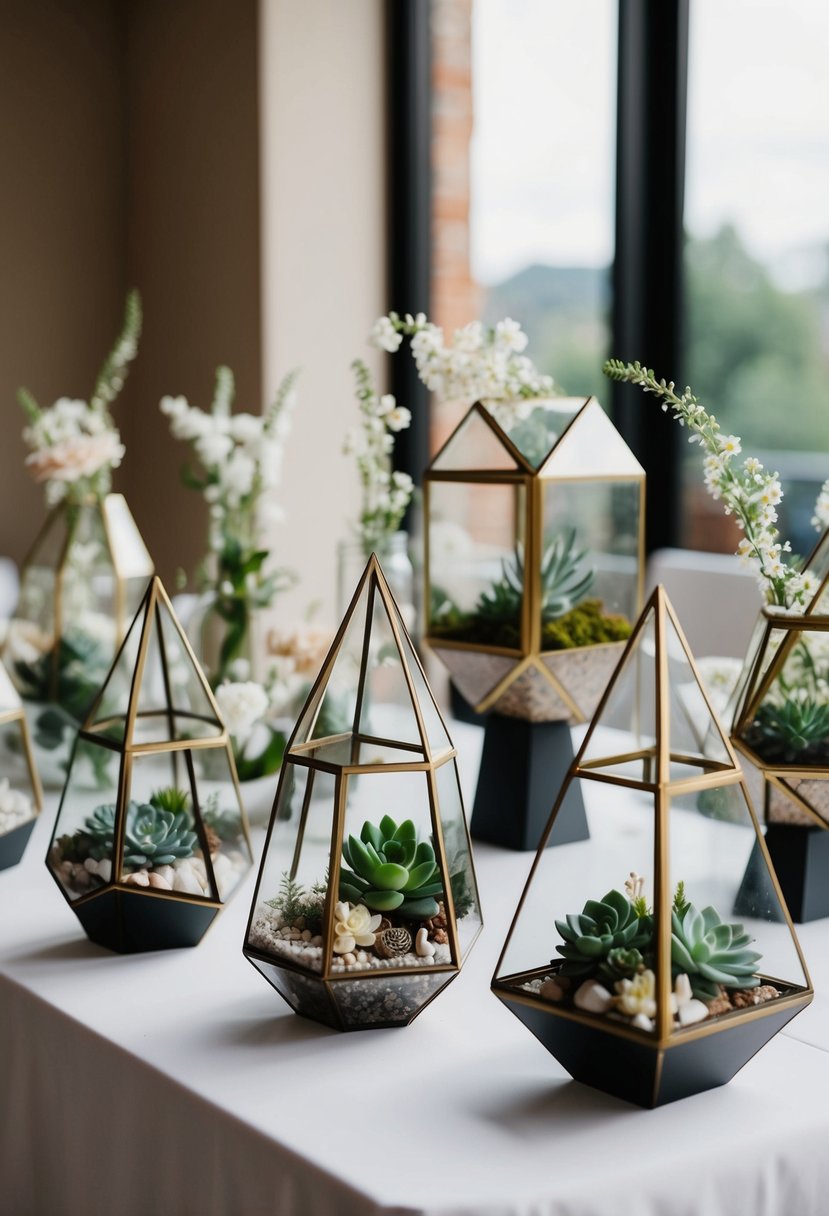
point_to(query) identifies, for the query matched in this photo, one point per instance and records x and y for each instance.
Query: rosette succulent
(564, 581)
(594, 938)
(153, 836)
(390, 871)
(710, 952)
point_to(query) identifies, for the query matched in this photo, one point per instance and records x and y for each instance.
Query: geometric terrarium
(80, 588)
(20, 795)
(366, 902)
(534, 567)
(781, 727)
(150, 839)
(534, 559)
(625, 957)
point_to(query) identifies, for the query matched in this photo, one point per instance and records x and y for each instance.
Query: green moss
(584, 625)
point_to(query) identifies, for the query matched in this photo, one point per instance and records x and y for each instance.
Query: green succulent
(604, 926)
(153, 836)
(563, 583)
(170, 798)
(789, 729)
(390, 872)
(710, 952)
(620, 964)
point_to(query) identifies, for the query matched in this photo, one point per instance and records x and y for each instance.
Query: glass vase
(393, 553)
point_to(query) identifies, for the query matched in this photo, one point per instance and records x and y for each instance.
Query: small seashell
(423, 946)
(392, 942)
(692, 1011)
(592, 997)
(551, 990)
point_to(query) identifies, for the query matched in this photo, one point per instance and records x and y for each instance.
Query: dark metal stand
(522, 769)
(800, 857)
(13, 844)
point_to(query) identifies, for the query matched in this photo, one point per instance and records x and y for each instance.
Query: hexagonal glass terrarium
(80, 588)
(625, 957)
(366, 902)
(534, 555)
(150, 839)
(780, 725)
(20, 795)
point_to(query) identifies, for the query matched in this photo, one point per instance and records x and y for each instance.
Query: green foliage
(171, 799)
(681, 904)
(114, 371)
(585, 625)
(390, 871)
(295, 903)
(711, 952)
(784, 732)
(266, 762)
(620, 964)
(605, 925)
(227, 824)
(152, 837)
(563, 583)
(28, 404)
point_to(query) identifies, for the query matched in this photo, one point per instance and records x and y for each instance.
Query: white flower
(246, 428)
(386, 405)
(398, 419)
(213, 448)
(174, 407)
(730, 445)
(75, 458)
(241, 704)
(508, 333)
(384, 336)
(354, 926)
(236, 476)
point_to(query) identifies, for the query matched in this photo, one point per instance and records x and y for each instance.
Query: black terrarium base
(523, 765)
(356, 1004)
(800, 857)
(644, 1072)
(13, 844)
(131, 922)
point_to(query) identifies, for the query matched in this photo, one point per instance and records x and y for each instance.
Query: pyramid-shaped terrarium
(20, 795)
(366, 903)
(80, 588)
(625, 958)
(781, 727)
(535, 555)
(150, 839)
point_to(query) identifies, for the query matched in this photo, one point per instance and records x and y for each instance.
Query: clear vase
(393, 553)
(80, 588)
(209, 632)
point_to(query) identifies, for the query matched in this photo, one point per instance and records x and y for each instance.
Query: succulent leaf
(389, 870)
(711, 952)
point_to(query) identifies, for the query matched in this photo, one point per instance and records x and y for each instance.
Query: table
(179, 1083)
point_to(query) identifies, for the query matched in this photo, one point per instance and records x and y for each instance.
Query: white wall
(322, 125)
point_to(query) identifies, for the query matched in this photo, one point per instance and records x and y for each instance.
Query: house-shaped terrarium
(625, 958)
(366, 902)
(781, 727)
(150, 839)
(20, 796)
(534, 559)
(81, 585)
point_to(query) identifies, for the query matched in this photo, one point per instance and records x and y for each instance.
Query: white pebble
(423, 946)
(692, 1011)
(592, 997)
(349, 959)
(642, 1022)
(306, 935)
(550, 990)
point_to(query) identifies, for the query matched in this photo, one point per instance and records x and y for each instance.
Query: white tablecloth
(179, 1083)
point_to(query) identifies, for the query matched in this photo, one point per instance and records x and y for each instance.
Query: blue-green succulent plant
(389, 871)
(710, 952)
(594, 937)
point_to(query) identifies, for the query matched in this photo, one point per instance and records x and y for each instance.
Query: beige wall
(226, 157)
(323, 246)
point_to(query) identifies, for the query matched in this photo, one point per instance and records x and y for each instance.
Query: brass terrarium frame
(117, 914)
(531, 479)
(13, 843)
(114, 514)
(425, 758)
(672, 1064)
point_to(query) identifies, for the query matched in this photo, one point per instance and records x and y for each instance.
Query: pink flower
(72, 459)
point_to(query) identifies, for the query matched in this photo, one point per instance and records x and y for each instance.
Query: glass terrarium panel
(81, 853)
(818, 565)
(385, 707)
(731, 946)
(590, 570)
(390, 907)
(535, 424)
(790, 722)
(88, 585)
(162, 845)
(221, 813)
(109, 713)
(288, 917)
(458, 856)
(583, 936)
(475, 445)
(330, 710)
(17, 802)
(624, 739)
(9, 696)
(476, 562)
(195, 716)
(433, 726)
(393, 999)
(592, 447)
(129, 551)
